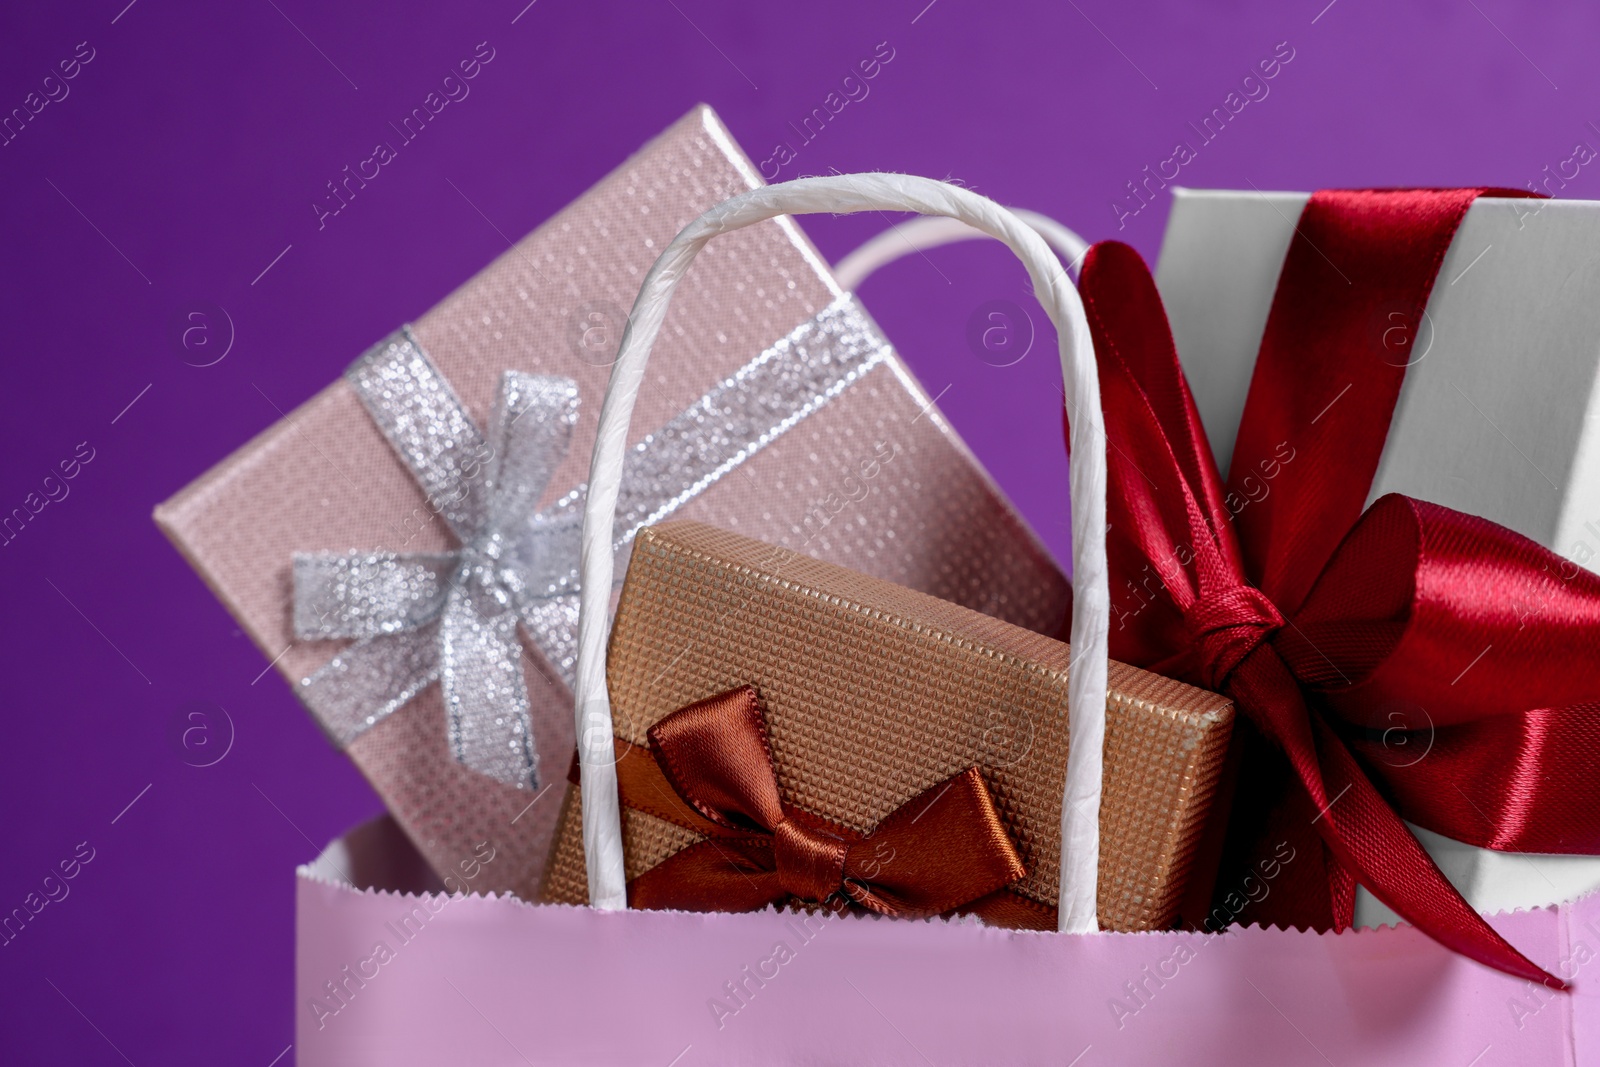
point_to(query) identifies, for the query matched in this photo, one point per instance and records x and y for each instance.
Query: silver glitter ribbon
(452, 617)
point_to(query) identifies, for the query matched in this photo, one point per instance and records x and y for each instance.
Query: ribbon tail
(711, 875)
(364, 594)
(555, 622)
(485, 693)
(546, 585)
(1364, 833)
(534, 417)
(1392, 864)
(368, 681)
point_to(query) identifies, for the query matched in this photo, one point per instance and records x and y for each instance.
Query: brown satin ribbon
(709, 769)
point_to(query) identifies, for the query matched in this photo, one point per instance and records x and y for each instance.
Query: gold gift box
(875, 692)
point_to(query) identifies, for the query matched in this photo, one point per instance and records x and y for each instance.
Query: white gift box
(1499, 415)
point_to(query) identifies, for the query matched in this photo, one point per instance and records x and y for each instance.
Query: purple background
(186, 158)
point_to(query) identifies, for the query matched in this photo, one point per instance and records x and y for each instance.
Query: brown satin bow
(709, 769)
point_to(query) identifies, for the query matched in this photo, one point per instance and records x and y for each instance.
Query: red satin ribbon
(709, 769)
(1459, 661)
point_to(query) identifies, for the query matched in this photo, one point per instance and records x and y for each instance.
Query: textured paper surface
(1499, 415)
(875, 479)
(495, 980)
(875, 692)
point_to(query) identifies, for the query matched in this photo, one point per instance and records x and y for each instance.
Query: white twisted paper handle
(934, 231)
(1086, 691)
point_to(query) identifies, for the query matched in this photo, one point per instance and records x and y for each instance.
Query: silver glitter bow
(453, 617)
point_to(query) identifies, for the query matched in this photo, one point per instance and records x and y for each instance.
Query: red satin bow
(1458, 660)
(712, 773)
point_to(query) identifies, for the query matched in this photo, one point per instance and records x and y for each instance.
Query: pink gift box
(859, 469)
(389, 971)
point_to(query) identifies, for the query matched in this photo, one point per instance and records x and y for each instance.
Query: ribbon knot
(709, 769)
(1226, 627)
(449, 617)
(810, 863)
